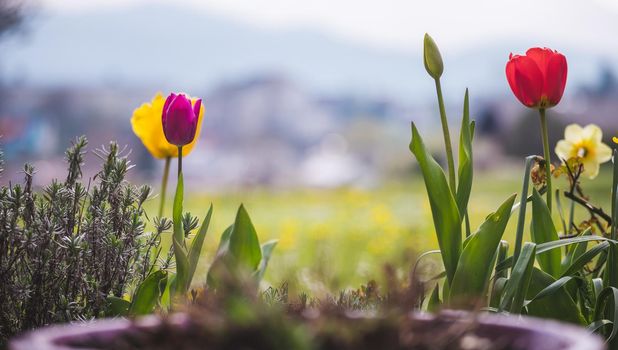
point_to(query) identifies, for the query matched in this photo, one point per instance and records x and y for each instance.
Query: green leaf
(222, 254)
(585, 258)
(517, 286)
(542, 230)
(177, 210)
(496, 292)
(178, 240)
(224, 241)
(433, 304)
(244, 245)
(521, 219)
(597, 284)
(446, 217)
(465, 170)
(197, 244)
(597, 325)
(503, 251)
(116, 307)
(552, 288)
(614, 194)
(608, 296)
(148, 293)
(168, 292)
(182, 267)
(553, 245)
(611, 268)
(560, 306)
(267, 250)
(476, 261)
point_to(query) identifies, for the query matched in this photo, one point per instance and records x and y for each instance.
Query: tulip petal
(573, 133)
(179, 123)
(168, 101)
(525, 79)
(197, 107)
(555, 78)
(540, 56)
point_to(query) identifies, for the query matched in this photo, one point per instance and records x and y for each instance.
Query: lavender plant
(66, 249)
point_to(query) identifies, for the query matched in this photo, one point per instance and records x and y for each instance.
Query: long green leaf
(267, 250)
(552, 288)
(475, 263)
(521, 219)
(608, 296)
(222, 254)
(147, 294)
(517, 286)
(196, 246)
(542, 231)
(178, 240)
(116, 307)
(465, 170)
(446, 217)
(244, 245)
(553, 245)
(433, 304)
(585, 258)
(182, 267)
(560, 306)
(614, 194)
(177, 210)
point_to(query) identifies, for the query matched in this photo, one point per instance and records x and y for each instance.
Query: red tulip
(180, 119)
(538, 78)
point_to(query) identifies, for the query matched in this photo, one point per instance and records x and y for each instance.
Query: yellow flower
(586, 144)
(146, 123)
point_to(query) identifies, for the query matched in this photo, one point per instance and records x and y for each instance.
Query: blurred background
(308, 106)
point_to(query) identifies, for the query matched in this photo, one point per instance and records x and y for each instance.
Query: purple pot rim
(55, 337)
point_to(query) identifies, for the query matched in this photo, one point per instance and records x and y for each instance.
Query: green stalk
(447, 139)
(179, 160)
(521, 219)
(547, 156)
(166, 172)
(614, 193)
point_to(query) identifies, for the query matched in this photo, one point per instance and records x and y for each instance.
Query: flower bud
(180, 119)
(432, 58)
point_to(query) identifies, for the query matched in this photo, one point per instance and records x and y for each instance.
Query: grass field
(334, 239)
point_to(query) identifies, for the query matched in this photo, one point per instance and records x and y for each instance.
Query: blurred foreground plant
(65, 250)
(569, 270)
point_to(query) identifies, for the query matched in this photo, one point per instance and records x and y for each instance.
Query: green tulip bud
(432, 58)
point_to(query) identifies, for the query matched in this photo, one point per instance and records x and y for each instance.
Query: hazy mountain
(168, 47)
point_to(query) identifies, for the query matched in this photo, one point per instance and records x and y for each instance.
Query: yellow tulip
(147, 125)
(585, 143)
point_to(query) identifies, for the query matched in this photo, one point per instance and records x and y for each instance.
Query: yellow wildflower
(147, 125)
(585, 143)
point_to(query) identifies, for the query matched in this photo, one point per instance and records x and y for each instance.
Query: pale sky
(398, 24)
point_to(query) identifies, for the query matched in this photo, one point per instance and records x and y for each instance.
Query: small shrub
(64, 250)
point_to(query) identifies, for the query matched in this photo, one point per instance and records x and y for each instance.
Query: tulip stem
(179, 160)
(447, 138)
(166, 172)
(547, 156)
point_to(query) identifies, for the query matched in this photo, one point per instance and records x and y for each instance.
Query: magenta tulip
(180, 119)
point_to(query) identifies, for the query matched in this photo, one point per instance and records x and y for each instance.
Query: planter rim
(56, 337)
(577, 338)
